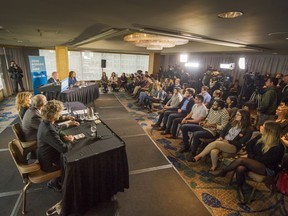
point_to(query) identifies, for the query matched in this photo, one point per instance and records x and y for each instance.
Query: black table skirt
(85, 94)
(95, 170)
(97, 180)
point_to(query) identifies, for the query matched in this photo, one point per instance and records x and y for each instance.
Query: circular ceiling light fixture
(153, 42)
(230, 14)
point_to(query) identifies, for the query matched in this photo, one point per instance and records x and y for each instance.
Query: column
(62, 61)
(154, 63)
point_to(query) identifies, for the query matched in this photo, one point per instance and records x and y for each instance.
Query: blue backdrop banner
(38, 72)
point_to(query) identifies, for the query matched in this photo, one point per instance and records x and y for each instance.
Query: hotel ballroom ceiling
(102, 24)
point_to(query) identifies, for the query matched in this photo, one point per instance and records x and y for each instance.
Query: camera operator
(269, 102)
(16, 75)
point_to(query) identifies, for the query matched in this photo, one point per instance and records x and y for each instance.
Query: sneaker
(155, 125)
(161, 129)
(56, 209)
(171, 137)
(183, 150)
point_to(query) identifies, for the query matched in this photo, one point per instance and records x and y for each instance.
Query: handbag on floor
(282, 182)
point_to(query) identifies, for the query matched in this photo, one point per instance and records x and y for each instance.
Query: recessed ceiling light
(19, 41)
(1, 27)
(230, 14)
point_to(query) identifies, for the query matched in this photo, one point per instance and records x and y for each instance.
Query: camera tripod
(256, 98)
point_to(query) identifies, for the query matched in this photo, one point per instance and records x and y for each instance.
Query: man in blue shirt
(183, 109)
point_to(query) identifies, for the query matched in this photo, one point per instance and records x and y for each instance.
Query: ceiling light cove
(153, 42)
(230, 14)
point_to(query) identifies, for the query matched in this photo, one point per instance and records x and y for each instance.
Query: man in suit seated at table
(32, 117)
(54, 78)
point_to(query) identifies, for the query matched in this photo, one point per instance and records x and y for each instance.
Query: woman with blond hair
(265, 153)
(23, 101)
(282, 117)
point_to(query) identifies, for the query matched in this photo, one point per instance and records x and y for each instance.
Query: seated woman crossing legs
(231, 140)
(265, 153)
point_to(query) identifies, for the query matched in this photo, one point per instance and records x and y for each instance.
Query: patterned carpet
(8, 112)
(216, 194)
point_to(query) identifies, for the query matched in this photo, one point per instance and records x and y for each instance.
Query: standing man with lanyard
(16, 74)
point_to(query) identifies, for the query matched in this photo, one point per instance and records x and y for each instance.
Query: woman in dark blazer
(50, 144)
(233, 137)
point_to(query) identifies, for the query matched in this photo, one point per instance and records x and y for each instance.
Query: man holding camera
(16, 75)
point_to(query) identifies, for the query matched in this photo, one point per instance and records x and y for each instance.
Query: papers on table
(64, 112)
(78, 112)
(64, 122)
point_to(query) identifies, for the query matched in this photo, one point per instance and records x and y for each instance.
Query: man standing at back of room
(269, 102)
(16, 75)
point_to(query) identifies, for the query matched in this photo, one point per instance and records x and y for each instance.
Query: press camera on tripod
(223, 79)
(258, 82)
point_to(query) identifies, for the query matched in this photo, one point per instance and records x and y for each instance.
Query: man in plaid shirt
(216, 120)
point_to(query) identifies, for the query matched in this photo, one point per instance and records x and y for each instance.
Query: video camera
(256, 79)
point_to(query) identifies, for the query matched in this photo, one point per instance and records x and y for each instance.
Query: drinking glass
(82, 117)
(93, 130)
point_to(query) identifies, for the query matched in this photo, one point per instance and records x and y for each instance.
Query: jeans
(164, 116)
(173, 121)
(198, 133)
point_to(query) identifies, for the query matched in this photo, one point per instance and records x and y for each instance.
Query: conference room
(118, 163)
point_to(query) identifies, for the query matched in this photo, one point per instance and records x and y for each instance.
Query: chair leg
(251, 195)
(24, 197)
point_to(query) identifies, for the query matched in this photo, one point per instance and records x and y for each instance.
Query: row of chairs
(19, 148)
(255, 179)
